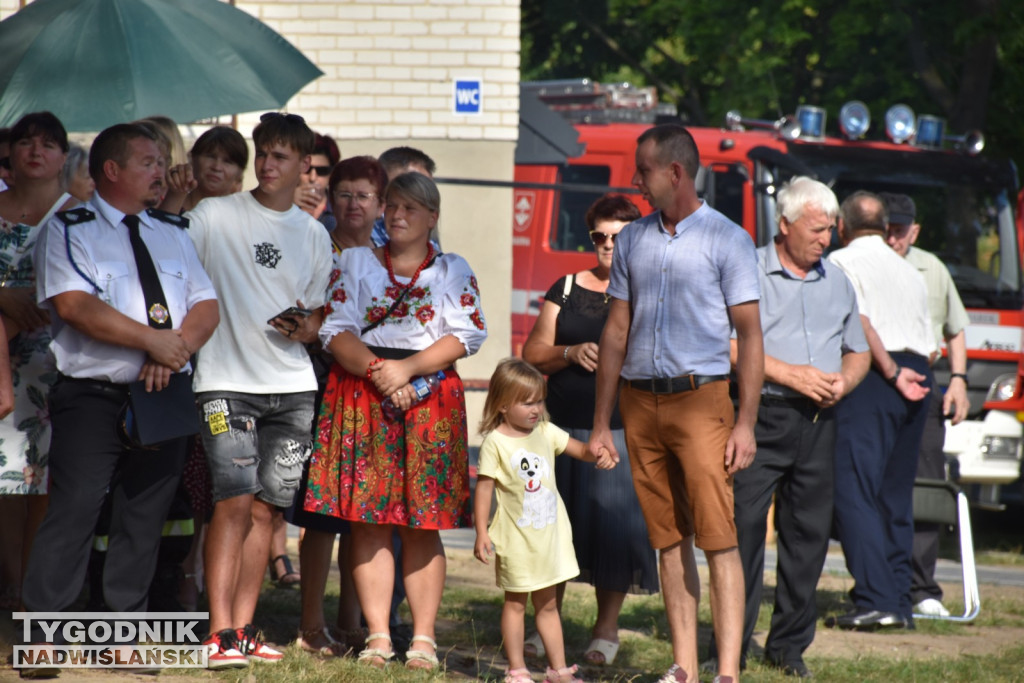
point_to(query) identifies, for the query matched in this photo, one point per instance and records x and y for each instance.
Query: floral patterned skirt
(367, 468)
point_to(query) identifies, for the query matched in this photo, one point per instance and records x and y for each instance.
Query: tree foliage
(959, 59)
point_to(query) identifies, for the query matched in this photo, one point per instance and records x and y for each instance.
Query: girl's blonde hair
(513, 381)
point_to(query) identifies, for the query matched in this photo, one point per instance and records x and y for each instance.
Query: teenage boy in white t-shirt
(254, 381)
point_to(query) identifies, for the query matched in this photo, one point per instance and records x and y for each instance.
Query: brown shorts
(677, 452)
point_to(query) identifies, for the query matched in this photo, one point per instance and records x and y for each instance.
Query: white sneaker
(931, 607)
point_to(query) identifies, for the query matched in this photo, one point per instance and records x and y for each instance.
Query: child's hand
(604, 459)
(483, 548)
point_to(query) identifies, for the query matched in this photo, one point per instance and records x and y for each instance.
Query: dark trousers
(877, 441)
(931, 464)
(794, 462)
(85, 451)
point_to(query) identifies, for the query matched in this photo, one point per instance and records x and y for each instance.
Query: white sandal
(420, 659)
(369, 654)
(534, 647)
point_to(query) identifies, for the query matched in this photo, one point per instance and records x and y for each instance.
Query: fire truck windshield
(964, 207)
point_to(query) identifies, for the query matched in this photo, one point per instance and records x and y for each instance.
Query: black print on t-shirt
(267, 255)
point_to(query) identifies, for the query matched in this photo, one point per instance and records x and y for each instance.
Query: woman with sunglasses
(311, 194)
(608, 528)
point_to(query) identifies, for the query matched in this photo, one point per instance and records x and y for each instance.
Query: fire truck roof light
(899, 123)
(812, 121)
(930, 131)
(854, 119)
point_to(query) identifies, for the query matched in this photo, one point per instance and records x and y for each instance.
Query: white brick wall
(385, 50)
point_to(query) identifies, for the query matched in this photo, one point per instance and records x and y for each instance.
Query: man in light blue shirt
(682, 279)
(815, 353)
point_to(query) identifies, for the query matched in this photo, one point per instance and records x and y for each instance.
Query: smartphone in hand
(292, 312)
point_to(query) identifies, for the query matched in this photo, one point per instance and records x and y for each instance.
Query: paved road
(835, 564)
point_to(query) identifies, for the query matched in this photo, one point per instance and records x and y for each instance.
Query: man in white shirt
(879, 424)
(255, 385)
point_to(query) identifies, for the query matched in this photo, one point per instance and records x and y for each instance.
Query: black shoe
(792, 667)
(866, 620)
(710, 666)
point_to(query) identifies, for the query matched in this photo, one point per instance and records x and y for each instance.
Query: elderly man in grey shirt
(815, 353)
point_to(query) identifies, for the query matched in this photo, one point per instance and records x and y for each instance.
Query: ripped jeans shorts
(256, 443)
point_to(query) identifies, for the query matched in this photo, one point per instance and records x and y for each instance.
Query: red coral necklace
(416, 275)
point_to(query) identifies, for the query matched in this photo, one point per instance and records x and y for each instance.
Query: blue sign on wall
(469, 97)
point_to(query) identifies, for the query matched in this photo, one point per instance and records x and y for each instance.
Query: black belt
(675, 385)
(791, 401)
(96, 384)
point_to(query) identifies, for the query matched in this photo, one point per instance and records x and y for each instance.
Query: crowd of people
(310, 330)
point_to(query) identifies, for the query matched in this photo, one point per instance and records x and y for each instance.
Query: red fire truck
(577, 141)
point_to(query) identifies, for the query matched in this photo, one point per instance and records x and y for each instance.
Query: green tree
(959, 59)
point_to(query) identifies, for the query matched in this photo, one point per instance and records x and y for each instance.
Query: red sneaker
(252, 644)
(222, 651)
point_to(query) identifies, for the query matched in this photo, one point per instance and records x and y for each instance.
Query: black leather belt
(675, 385)
(95, 384)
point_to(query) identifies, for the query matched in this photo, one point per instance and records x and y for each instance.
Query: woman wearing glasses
(602, 504)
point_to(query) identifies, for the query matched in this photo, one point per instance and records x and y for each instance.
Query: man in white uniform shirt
(879, 424)
(107, 333)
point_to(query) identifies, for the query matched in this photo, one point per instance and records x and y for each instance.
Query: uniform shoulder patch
(76, 216)
(167, 217)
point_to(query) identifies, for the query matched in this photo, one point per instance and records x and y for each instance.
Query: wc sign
(469, 97)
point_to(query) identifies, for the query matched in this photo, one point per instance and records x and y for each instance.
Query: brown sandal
(289, 578)
(319, 642)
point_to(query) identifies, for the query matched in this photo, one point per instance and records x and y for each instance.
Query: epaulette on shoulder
(76, 216)
(167, 217)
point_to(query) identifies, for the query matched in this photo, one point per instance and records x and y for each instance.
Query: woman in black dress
(607, 525)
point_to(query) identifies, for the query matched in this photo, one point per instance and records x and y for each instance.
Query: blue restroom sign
(469, 97)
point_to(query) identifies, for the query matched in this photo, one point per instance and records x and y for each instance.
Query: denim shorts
(256, 443)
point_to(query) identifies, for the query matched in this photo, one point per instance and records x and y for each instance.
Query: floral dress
(25, 433)
(365, 466)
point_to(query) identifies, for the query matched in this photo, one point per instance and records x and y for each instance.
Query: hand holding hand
(167, 347)
(389, 376)
(811, 382)
(603, 448)
(605, 460)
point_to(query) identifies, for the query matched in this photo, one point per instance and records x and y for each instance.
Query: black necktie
(156, 304)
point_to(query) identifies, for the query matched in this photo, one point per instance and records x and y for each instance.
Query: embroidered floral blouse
(445, 300)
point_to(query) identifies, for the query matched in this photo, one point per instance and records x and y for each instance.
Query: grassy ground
(990, 650)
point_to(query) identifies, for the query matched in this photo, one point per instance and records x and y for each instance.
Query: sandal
(371, 655)
(601, 651)
(518, 676)
(289, 578)
(563, 675)
(534, 647)
(421, 659)
(330, 648)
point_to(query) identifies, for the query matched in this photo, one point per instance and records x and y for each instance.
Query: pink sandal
(563, 675)
(518, 676)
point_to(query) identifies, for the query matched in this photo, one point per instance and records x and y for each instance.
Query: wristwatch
(895, 376)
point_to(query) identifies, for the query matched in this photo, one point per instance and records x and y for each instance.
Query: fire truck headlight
(854, 119)
(1000, 448)
(812, 121)
(931, 131)
(1003, 388)
(899, 123)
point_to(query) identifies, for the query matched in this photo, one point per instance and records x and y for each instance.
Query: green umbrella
(95, 63)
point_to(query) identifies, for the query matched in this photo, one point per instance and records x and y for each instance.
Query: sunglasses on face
(322, 171)
(599, 238)
(5, 163)
(290, 118)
